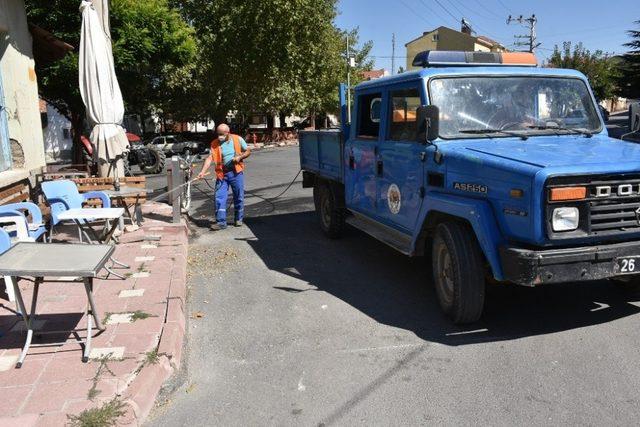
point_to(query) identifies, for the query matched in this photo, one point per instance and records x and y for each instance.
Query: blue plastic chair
(5, 241)
(64, 195)
(5, 244)
(36, 228)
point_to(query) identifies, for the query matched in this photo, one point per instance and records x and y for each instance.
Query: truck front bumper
(536, 267)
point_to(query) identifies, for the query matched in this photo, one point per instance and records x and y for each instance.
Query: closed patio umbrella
(100, 90)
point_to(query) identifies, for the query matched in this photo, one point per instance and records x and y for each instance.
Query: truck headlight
(565, 219)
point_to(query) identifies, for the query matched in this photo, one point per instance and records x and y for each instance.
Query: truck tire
(160, 160)
(330, 215)
(458, 272)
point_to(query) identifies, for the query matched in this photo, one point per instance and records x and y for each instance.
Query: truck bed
(321, 153)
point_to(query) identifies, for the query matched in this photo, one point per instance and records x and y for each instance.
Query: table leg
(88, 286)
(28, 318)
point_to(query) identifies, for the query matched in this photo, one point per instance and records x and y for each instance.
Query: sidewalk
(140, 349)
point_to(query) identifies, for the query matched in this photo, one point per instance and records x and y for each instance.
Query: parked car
(174, 144)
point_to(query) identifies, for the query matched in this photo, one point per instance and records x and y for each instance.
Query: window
(402, 112)
(369, 116)
(435, 37)
(5, 143)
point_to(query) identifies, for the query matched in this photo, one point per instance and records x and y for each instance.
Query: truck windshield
(473, 107)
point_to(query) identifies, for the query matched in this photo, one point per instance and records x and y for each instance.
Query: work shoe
(238, 223)
(217, 226)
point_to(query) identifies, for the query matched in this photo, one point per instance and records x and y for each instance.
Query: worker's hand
(237, 159)
(201, 175)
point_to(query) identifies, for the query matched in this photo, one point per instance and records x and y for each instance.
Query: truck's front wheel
(458, 272)
(330, 215)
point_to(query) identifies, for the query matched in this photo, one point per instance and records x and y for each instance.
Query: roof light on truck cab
(567, 193)
(446, 58)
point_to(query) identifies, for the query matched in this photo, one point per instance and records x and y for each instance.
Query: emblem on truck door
(473, 188)
(394, 199)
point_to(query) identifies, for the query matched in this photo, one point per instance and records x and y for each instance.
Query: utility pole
(529, 23)
(393, 53)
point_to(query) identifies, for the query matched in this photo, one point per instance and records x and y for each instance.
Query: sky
(597, 24)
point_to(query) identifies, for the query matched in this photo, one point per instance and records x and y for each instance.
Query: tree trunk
(312, 120)
(283, 120)
(77, 127)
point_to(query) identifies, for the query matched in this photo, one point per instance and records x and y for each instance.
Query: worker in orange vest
(228, 152)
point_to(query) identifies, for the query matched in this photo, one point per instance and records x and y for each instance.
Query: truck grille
(614, 216)
(612, 205)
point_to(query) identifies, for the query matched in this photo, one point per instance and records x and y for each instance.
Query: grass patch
(103, 367)
(107, 317)
(140, 315)
(104, 416)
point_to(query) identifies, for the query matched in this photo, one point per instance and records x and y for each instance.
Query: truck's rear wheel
(330, 215)
(458, 272)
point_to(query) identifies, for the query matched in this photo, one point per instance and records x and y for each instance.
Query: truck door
(400, 167)
(360, 154)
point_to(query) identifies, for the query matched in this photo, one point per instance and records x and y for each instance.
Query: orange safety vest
(216, 155)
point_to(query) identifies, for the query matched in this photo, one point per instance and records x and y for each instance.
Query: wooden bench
(98, 184)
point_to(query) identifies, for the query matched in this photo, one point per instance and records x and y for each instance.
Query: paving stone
(111, 352)
(8, 362)
(148, 247)
(119, 318)
(36, 325)
(156, 228)
(144, 258)
(140, 274)
(128, 293)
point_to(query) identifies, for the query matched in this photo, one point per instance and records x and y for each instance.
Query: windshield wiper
(574, 131)
(490, 131)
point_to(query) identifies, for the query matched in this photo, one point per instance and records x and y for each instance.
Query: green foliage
(148, 36)
(629, 81)
(599, 67)
(104, 416)
(269, 55)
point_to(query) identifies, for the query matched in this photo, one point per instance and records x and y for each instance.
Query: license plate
(628, 265)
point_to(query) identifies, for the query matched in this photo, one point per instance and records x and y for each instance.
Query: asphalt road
(297, 329)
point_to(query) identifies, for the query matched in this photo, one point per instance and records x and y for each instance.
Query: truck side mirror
(428, 123)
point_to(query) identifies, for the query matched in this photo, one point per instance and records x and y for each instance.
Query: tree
(629, 81)
(274, 56)
(148, 36)
(599, 67)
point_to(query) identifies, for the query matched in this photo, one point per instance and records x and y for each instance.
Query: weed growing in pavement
(140, 315)
(93, 391)
(136, 315)
(107, 317)
(104, 416)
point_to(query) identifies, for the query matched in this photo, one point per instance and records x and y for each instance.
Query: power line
(455, 18)
(433, 11)
(416, 13)
(501, 17)
(505, 6)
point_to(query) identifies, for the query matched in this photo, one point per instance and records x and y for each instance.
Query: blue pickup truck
(491, 168)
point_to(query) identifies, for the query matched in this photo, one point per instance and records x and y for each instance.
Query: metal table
(39, 260)
(120, 195)
(83, 216)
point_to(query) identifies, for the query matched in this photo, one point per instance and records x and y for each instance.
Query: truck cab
(493, 169)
